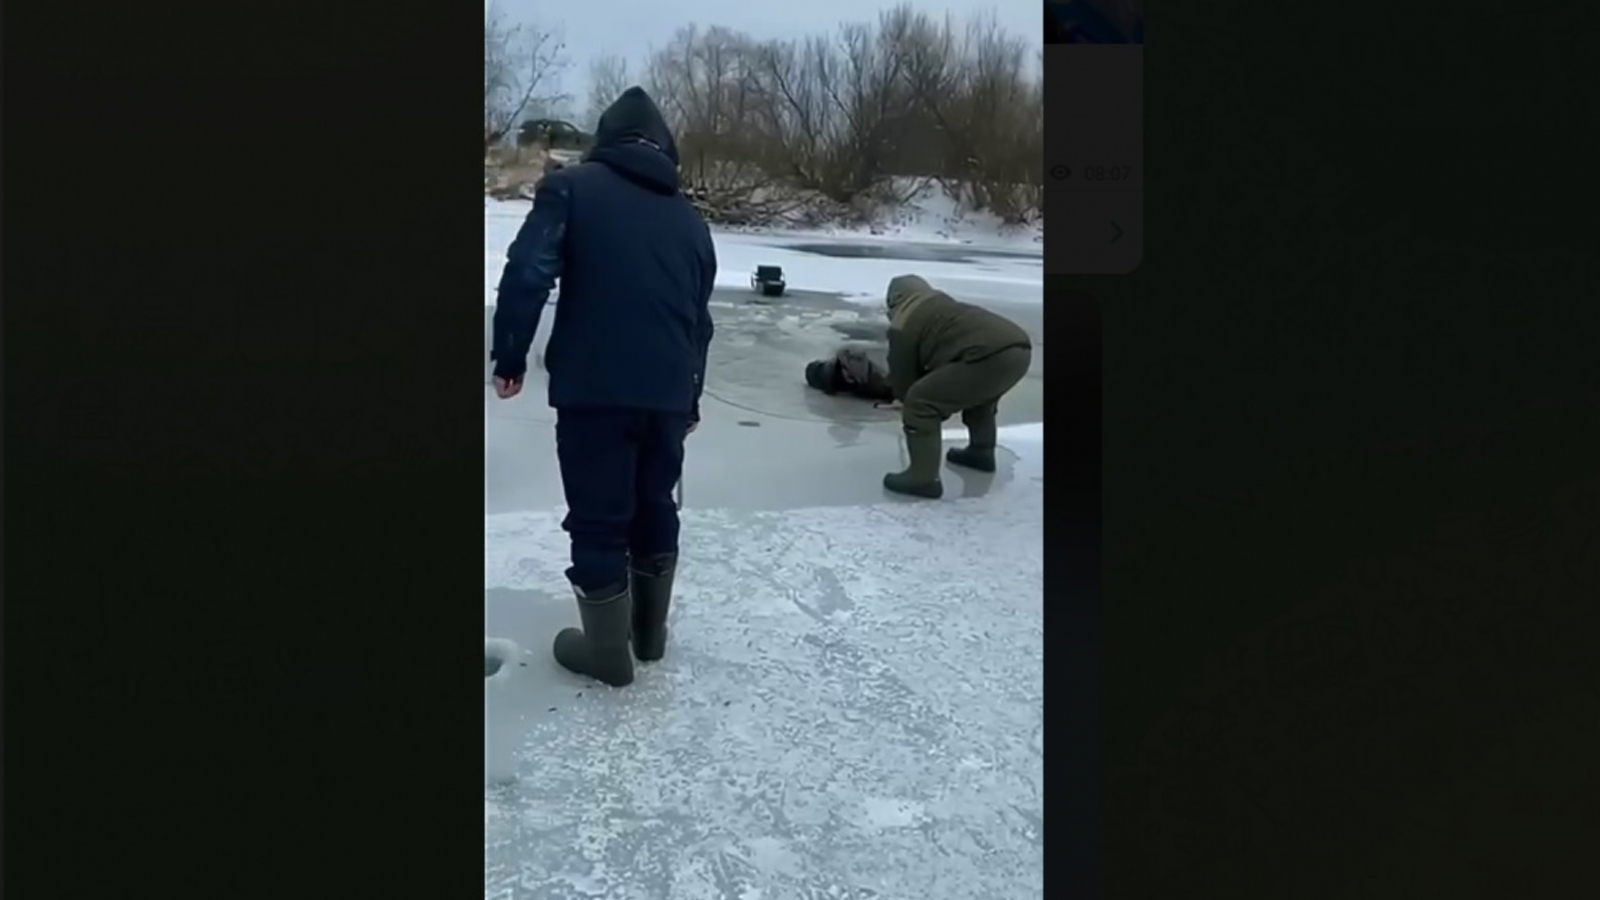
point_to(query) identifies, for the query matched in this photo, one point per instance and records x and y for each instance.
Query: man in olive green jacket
(948, 357)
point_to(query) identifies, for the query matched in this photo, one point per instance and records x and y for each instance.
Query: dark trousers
(972, 388)
(619, 468)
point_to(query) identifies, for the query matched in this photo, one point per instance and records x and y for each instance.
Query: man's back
(627, 359)
(637, 272)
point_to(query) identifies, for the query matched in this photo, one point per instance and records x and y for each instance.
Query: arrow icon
(1118, 233)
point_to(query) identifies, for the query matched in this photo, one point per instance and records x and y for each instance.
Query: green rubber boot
(600, 648)
(921, 477)
(651, 580)
(982, 436)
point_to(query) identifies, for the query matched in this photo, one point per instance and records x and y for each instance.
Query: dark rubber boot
(599, 649)
(982, 436)
(651, 580)
(921, 477)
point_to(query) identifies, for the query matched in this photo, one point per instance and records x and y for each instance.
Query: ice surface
(851, 704)
(1014, 279)
(1004, 267)
(851, 707)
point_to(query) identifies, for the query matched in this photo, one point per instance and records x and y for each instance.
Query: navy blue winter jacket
(636, 267)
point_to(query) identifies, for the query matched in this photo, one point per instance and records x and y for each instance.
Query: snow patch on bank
(931, 215)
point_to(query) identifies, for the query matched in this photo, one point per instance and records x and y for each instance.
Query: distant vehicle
(553, 134)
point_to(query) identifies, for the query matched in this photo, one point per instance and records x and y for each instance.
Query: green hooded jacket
(928, 329)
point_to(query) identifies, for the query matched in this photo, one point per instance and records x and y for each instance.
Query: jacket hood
(633, 139)
(821, 374)
(906, 293)
(906, 287)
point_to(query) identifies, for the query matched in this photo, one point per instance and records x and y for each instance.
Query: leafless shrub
(522, 69)
(990, 114)
(608, 78)
(834, 125)
(510, 172)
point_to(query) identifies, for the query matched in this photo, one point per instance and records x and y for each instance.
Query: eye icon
(1060, 173)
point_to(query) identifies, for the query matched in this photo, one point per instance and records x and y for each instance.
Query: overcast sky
(630, 27)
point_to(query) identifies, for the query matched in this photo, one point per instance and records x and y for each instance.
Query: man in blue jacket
(626, 363)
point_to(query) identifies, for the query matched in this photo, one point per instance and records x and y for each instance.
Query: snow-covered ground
(851, 705)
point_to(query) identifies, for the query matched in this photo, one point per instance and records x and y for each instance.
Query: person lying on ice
(948, 357)
(627, 360)
(854, 371)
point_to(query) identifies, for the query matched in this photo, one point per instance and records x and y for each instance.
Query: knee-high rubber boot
(921, 477)
(651, 580)
(982, 436)
(599, 649)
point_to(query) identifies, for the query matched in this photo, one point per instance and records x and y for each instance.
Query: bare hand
(506, 388)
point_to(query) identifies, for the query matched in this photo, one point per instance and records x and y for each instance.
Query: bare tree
(846, 100)
(828, 123)
(703, 80)
(790, 109)
(987, 112)
(522, 69)
(1003, 118)
(608, 78)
